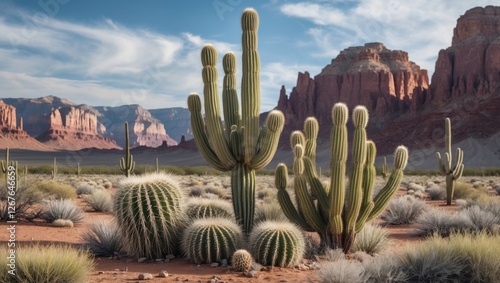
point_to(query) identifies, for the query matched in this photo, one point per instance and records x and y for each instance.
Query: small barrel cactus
(204, 208)
(241, 261)
(209, 240)
(277, 244)
(149, 214)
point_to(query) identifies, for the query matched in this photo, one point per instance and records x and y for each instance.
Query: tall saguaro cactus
(127, 163)
(337, 213)
(452, 173)
(239, 147)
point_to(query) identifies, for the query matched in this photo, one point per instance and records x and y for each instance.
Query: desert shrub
(270, 211)
(497, 189)
(334, 255)
(107, 185)
(439, 222)
(342, 271)
(84, 189)
(100, 200)
(436, 193)
(203, 208)
(371, 240)
(403, 210)
(459, 258)
(57, 190)
(26, 196)
(195, 192)
(415, 187)
(210, 196)
(467, 191)
(384, 269)
(104, 239)
(215, 190)
(47, 264)
(483, 220)
(62, 209)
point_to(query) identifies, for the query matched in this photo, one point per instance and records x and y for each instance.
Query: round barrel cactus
(241, 261)
(277, 244)
(204, 208)
(209, 240)
(149, 214)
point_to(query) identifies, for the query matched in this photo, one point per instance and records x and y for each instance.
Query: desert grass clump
(100, 201)
(210, 240)
(84, 189)
(403, 210)
(107, 185)
(215, 190)
(384, 269)
(497, 189)
(483, 220)
(104, 239)
(149, 213)
(371, 240)
(241, 261)
(27, 195)
(442, 223)
(277, 244)
(467, 191)
(62, 209)
(436, 193)
(342, 271)
(270, 211)
(46, 264)
(57, 190)
(195, 192)
(204, 208)
(63, 223)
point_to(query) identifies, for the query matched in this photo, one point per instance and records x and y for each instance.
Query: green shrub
(62, 209)
(104, 239)
(47, 264)
(57, 190)
(371, 240)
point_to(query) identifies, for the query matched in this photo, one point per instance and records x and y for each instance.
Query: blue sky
(119, 52)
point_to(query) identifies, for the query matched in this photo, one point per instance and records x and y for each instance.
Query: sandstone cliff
(177, 122)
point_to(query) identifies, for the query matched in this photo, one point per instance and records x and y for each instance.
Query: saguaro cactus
(127, 163)
(238, 147)
(452, 173)
(337, 213)
(54, 169)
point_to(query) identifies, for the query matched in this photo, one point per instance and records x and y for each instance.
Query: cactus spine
(54, 169)
(127, 163)
(242, 261)
(149, 214)
(452, 173)
(239, 146)
(277, 244)
(337, 213)
(209, 240)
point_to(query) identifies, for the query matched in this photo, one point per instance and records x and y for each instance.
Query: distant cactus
(5, 164)
(204, 208)
(127, 163)
(149, 214)
(78, 169)
(334, 212)
(54, 169)
(452, 173)
(385, 171)
(241, 261)
(240, 146)
(277, 244)
(209, 240)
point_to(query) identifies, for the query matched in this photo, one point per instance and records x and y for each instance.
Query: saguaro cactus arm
(268, 140)
(230, 103)
(5, 163)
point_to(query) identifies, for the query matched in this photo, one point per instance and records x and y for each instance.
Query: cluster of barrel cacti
(237, 145)
(334, 212)
(452, 172)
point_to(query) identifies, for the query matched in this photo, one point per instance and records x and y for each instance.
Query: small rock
(214, 281)
(214, 264)
(169, 257)
(264, 268)
(100, 273)
(223, 262)
(145, 276)
(251, 273)
(141, 259)
(159, 260)
(163, 273)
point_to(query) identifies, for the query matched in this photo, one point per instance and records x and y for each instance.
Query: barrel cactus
(277, 244)
(241, 261)
(239, 144)
(204, 208)
(149, 214)
(208, 240)
(337, 212)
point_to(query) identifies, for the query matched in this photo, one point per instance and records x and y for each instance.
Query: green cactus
(5, 165)
(241, 261)
(337, 213)
(385, 171)
(277, 244)
(54, 169)
(157, 166)
(209, 240)
(204, 208)
(452, 173)
(238, 147)
(127, 163)
(149, 214)
(78, 169)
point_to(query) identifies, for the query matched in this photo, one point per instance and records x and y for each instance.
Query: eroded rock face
(385, 81)
(7, 116)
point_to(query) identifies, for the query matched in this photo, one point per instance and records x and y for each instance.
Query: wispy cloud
(421, 27)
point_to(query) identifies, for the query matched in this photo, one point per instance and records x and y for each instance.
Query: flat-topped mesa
(470, 67)
(383, 80)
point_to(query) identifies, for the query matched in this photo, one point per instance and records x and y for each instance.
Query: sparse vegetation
(100, 200)
(57, 190)
(371, 240)
(62, 209)
(104, 239)
(403, 210)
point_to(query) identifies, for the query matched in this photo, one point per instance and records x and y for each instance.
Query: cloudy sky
(119, 52)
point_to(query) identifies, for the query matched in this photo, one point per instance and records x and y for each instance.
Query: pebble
(145, 276)
(163, 273)
(100, 273)
(251, 273)
(214, 264)
(223, 262)
(169, 257)
(159, 260)
(141, 259)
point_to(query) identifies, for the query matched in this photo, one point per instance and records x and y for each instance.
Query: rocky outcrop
(177, 122)
(7, 116)
(383, 80)
(145, 130)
